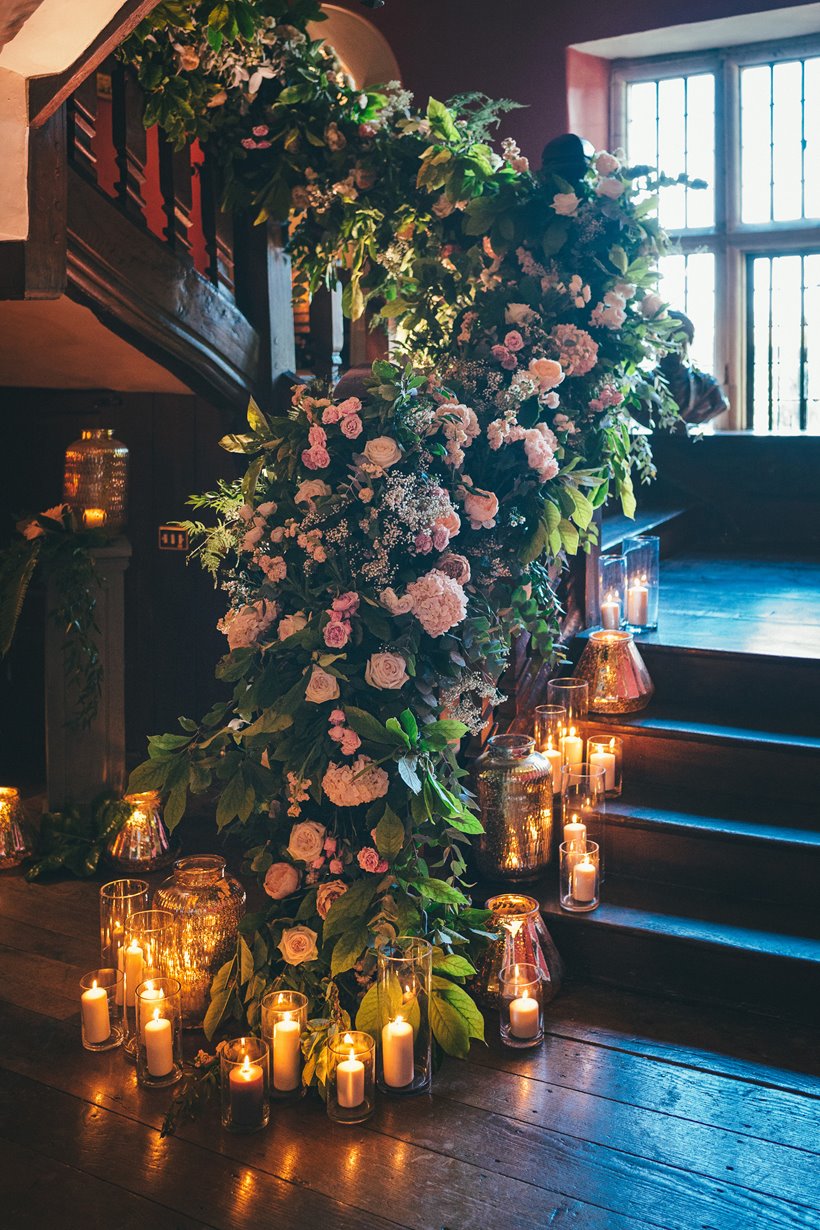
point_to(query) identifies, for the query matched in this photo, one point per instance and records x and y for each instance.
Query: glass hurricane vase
(523, 938)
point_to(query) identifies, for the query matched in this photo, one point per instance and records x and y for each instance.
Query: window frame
(731, 240)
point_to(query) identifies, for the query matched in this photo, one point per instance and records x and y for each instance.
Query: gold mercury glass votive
(515, 788)
(616, 673)
(16, 838)
(143, 842)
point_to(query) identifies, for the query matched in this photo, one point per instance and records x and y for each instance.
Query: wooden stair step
(663, 521)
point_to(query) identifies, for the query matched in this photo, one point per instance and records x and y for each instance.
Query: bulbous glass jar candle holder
(606, 752)
(521, 1006)
(403, 979)
(119, 899)
(143, 843)
(16, 836)
(515, 788)
(159, 1033)
(95, 480)
(611, 590)
(245, 1084)
(207, 905)
(148, 952)
(351, 1076)
(642, 582)
(284, 1021)
(101, 1009)
(549, 727)
(618, 679)
(522, 938)
(580, 870)
(583, 802)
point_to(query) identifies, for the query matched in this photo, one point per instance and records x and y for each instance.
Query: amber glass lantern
(207, 905)
(16, 839)
(515, 789)
(616, 673)
(95, 481)
(522, 938)
(143, 843)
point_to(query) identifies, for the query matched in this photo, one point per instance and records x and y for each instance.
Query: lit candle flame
(348, 1040)
(94, 985)
(156, 1014)
(246, 1067)
(288, 1016)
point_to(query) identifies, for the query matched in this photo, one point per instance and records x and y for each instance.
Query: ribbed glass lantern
(95, 481)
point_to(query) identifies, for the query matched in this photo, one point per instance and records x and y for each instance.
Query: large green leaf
(467, 1009)
(350, 907)
(444, 894)
(349, 947)
(449, 1027)
(390, 835)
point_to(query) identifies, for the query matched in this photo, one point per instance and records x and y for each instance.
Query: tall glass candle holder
(245, 1084)
(580, 877)
(101, 1009)
(642, 582)
(159, 1034)
(606, 752)
(119, 899)
(351, 1076)
(573, 694)
(521, 1006)
(284, 1021)
(149, 949)
(549, 727)
(583, 801)
(612, 590)
(403, 979)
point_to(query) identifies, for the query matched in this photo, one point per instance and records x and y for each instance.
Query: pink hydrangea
(577, 352)
(540, 456)
(370, 860)
(439, 602)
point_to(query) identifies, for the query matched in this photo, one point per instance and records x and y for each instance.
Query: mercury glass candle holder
(16, 836)
(583, 801)
(580, 871)
(159, 1033)
(284, 1021)
(522, 938)
(611, 590)
(207, 904)
(101, 1009)
(95, 479)
(616, 673)
(606, 752)
(351, 1076)
(515, 788)
(119, 899)
(403, 979)
(148, 952)
(521, 1006)
(642, 556)
(245, 1084)
(143, 843)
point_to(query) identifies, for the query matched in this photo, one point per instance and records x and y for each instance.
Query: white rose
(290, 624)
(386, 670)
(565, 204)
(651, 305)
(321, 686)
(306, 841)
(298, 944)
(383, 452)
(518, 314)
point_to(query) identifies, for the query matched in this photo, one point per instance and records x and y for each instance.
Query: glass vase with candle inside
(284, 1021)
(143, 843)
(642, 582)
(101, 1009)
(351, 1076)
(148, 952)
(549, 726)
(119, 899)
(580, 871)
(16, 837)
(583, 801)
(95, 479)
(207, 905)
(573, 694)
(616, 673)
(403, 979)
(521, 1006)
(611, 590)
(244, 1065)
(515, 788)
(606, 752)
(158, 1018)
(522, 938)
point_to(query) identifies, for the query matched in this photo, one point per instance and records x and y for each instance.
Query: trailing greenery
(75, 839)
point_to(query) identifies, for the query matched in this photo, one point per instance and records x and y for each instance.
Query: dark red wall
(516, 48)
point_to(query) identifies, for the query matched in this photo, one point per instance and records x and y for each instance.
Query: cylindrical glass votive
(119, 899)
(611, 590)
(159, 1037)
(606, 752)
(351, 1076)
(550, 725)
(284, 1021)
(580, 877)
(642, 581)
(101, 1009)
(583, 801)
(521, 1005)
(148, 952)
(403, 978)
(244, 1072)
(573, 694)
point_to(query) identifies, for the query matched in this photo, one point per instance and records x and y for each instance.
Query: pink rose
(335, 866)
(337, 733)
(330, 845)
(306, 841)
(455, 566)
(547, 372)
(289, 625)
(482, 508)
(611, 188)
(251, 537)
(321, 687)
(281, 880)
(387, 671)
(337, 634)
(311, 489)
(326, 894)
(347, 603)
(382, 452)
(605, 163)
(331, 415)
(337, 717)
(298, 944)
(565, 204)
(317, 458)
(513, 341)
(317, 436)
(351, 427)
(351, 405)
(369, 860)
(394, 604)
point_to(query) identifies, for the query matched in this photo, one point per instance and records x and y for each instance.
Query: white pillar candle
(247, 1094)
(611, 613)
(120, 965)
(287, 1054)
(397, 1053)
(575, 835)
(637, 605)
(133, 971)
(556, 760)
(584, 881)
(147, 1004)
(96, 1020)
(601, 759)
(572, 747)
(159, 1046)
(524, 1016)
(350, 1081)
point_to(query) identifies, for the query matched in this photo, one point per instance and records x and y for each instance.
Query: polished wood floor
(635, 1113)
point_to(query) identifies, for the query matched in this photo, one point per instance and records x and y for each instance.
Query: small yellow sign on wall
(172, 538)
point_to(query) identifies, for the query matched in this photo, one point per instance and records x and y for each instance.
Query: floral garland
(384, 548)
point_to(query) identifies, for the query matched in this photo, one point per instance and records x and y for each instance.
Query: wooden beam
(34, 268)
(46, 94)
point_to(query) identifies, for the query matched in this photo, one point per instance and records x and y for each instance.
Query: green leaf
(216, 1011)
(236, 800)
(245, 961)
(569, 536)
(350, 907)
(583, 508)
(353, 300)
(458, 998)
(453, 963)
(619, 258)
(150, 775)
(449, 1027)
(368, 727)
(441, 120)
(367, 1017)
(256, 419)
(438, 890)
(349, 947)
(390, 835)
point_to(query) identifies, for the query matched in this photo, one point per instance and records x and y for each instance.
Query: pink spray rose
(455, 566)
(370, 860)
(337, 634)
(513, 341)
(351, 426)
